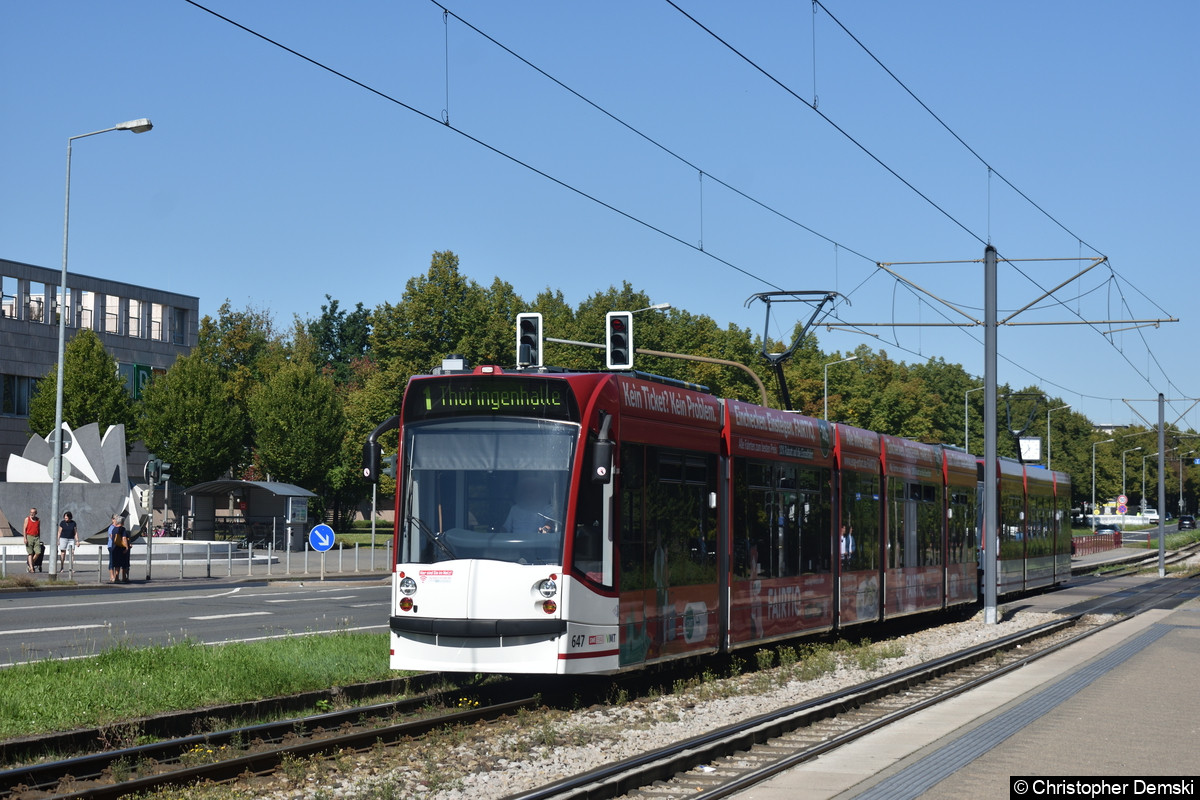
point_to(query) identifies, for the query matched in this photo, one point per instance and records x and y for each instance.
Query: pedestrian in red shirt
(33, 540)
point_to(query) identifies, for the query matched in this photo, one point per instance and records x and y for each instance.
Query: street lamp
(1048, 413)
(1106, 441)
(827, 366)
(1152, 455)
(655, 307)
(137, 126)
(1123, 452)
(967, 419)
(1181, 455)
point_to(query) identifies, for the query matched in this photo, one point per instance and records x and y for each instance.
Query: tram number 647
(578, 641)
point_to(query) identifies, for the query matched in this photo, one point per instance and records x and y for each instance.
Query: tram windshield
(489, 488)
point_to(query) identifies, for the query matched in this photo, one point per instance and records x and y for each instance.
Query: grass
(125, 683)
(383, 537)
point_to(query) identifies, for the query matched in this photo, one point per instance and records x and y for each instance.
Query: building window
(179, 325)
(15, 391)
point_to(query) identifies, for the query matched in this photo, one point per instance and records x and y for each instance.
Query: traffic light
(389, 465)
(144, 497)
(618, 340)
(164, 471)
(153, 467)
(529, 339)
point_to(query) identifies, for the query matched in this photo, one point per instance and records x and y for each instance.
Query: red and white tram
(594, 523)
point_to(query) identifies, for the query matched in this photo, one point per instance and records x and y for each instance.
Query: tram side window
(680, 523)
(781, 520)
(929, 526)
(1012, 524)
(1039, 526)
(962, 532)
(632, 545)
(860, 517)
(1062, 525)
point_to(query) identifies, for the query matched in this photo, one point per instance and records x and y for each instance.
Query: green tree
(429, 322)
(339, 338)
(92, 392)
(189, 418)
(244, 347)
(298, 426)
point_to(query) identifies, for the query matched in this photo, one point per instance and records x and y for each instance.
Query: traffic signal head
(618, 340)
(164, 471)
(143, 494)
(389, 465)
(529, 339)
(153, 468)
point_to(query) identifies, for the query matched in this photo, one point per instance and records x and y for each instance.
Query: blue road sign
(321, 537)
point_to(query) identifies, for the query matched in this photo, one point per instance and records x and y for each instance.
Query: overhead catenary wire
(907, 183)
(610, 206)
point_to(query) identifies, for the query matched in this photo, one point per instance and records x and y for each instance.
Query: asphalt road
(80, 622)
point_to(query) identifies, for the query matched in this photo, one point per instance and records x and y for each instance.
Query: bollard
(208, 559)
(249, 558)
(230, 556)
(306, 558)
(270, 550)
(287, 567)
(99, 564)
(181, 559)
(341, 554)
(356, 556)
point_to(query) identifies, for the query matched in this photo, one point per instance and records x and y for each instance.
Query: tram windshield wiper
(434, 537)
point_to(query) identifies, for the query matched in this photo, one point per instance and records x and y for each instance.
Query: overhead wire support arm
(813, 296)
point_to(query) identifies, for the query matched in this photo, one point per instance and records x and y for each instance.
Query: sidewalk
(176, 560)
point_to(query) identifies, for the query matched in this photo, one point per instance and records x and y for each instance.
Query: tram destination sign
(462, 396)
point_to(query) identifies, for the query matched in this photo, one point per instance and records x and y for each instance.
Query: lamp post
(967, 419)
(1123, 452)
(1152, 455)
(1181, 455)
(1106, 441)
(137, 126)
(827, 366)
(1048, 413)
(655, 307)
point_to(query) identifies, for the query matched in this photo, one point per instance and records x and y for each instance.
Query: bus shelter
(256, 512)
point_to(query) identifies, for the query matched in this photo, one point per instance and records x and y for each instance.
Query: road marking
(313, 599)
(52, 630)
(124, 601)
(231, 616)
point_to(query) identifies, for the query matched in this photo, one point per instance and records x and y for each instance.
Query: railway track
(246, 750)
(733, 759)
(721, 761)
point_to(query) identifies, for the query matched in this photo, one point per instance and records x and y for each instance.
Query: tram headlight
(547, 588)
(408, 587)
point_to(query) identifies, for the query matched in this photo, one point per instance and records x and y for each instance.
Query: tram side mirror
(370, 462)
(371, 450)
(602, 453)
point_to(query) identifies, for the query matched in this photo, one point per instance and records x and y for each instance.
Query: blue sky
(271, 182)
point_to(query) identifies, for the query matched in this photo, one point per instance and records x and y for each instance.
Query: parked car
(1187, 522)
(1107, 528)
